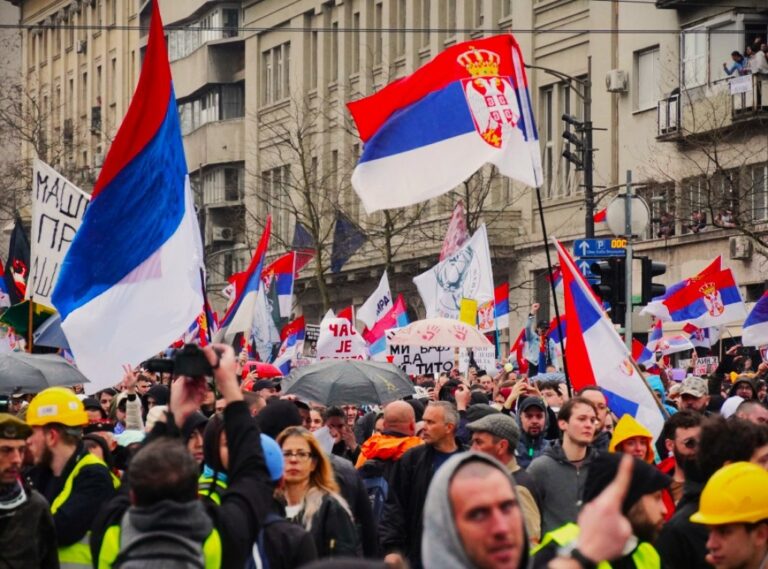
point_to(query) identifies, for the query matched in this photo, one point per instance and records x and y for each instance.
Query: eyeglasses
(299, 454)
(690, 443)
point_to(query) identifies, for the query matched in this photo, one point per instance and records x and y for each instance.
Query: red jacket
(667, 466)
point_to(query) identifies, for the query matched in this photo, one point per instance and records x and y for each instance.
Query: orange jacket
(385, 447)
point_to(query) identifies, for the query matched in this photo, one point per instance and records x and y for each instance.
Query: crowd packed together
(488, 469)
(753, 60)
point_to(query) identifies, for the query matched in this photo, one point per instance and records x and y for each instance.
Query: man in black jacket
(240, 515)
(401, 523)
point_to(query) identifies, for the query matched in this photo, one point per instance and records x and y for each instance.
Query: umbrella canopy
(551, 376)
(30, 373)
(50, 334)
(338, 382)
(262, 370)
(440, 333)
(17, 316)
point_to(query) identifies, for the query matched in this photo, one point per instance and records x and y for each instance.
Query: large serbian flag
(756, 324)
(132, 280)
(467, 107)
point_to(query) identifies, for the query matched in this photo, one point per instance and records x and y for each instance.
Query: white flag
(377, 304)
(465, 274)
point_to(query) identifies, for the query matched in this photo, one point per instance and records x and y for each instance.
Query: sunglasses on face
(690, 443)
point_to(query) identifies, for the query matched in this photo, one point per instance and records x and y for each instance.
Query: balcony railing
(668, 116)
(749, 96)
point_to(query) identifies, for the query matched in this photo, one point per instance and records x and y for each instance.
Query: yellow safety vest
(644, 556)
(77, 554)
(110, 548)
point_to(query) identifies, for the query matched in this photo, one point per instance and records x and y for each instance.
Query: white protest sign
(704, 366)
(485, 358)
(58, 207)
(338, 340)
(742, 84)
(421, 360)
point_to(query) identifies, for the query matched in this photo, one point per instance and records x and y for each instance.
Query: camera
(188, 360)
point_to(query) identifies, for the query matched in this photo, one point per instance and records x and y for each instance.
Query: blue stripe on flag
(440, 115)
(729, 295)
(145, 200)
(283, 282)
(619, 405)
(585, 310)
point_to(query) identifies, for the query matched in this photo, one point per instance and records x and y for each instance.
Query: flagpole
(205, 306)
(647, 385)
(554, 291)
(30, 315)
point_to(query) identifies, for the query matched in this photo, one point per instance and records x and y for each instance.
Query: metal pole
(589, 192)
(628, 263)
(554, 293)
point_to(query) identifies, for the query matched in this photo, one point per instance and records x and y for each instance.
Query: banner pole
(554, 292)
(30, 318)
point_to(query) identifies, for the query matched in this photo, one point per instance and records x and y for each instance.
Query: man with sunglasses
(681, 439)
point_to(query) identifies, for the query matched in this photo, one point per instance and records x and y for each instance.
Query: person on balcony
(757, 62)
(698, 221)
(739, 64)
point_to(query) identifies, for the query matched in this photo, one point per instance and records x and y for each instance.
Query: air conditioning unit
(82, 46)
(223, 234)
(740, 247)
(616, 81)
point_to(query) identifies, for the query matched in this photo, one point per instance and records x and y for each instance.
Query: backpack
(140, 550)
(372, 473)
(259, 548)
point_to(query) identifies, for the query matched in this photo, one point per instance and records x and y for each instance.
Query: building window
(112, 12)
(356, 42)
(334, 52)
(313, 62)
(756, 186)
(378, 22)
(478, 16)
(694, 58)
(223, 184)
(231, 22)
(451, 17)
(506, 8)
(661, 201)
(547, 139)
(424, 13)
(275, 74)
(220, 102)
(214, 25)
(69, 32)
(276, 185)
(400, 25)
(647, 79)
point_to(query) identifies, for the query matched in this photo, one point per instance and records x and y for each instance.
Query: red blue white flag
(702, 337)
(658, 309)
(283, 269)
(396, 317)
(467, 107)
(292, 336)
(713, 300)
(755, 329)
(131, 281)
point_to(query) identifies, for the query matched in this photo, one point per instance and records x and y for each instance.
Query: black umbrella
(335, 382)
(30, 373)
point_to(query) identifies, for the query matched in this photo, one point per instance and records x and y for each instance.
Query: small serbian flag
(283, 270)
(641, 354)
(292, 336)
(710, 301)
(131, 282)
(601, 215)
(702, 337)
(659, 310)
(501, 306)
(396, 317)
(755, 332)
(518, 347)
(467, 107)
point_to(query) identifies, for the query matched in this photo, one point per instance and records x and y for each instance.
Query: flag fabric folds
(641, 354)
(303, 245)
(755, 329)
(673, 344)
(702, 337)
(657, 306)
(283, 271)
(347, 239)
(465, 274)
(396, 317)
(17, 264)
(377, 305)
(501, 305)
(601, 215)
(5, 299)
(556, 276)
(137, 256)
(292, 345)
(467, 107)
(241, 313)
(456, 234)
(598, 356)
(554, 331)
(713, 300)
(518, 349)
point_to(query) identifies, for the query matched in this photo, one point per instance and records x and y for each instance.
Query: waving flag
(601, 216)
(132, 281)
(518, 348)
(457, 233)
(501, 305)
(303, 245)
(17, 265)
(658, 309)
(467, 107)
(347, 239)
(755, 329)
(702, 337)
(241, 313)
(5, 299)
(553, 333)
(557, 277)
(283, 270)
(396, 317)
(293, 344)
(710, 301)
(673, 344)
(378, 304)
(598, 356)
(641, 354)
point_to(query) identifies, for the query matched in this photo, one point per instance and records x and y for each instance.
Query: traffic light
(650, 289)
(612, 285)
(578, 158)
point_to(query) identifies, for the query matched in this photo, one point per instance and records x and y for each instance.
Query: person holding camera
(161, 522)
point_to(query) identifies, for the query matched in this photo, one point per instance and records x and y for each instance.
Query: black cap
(646, 479)
(92, 403)
(479, 411)
(532, 402)
(277, 416)
(265, 384)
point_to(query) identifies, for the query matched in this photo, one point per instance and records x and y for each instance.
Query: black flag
(17, 265)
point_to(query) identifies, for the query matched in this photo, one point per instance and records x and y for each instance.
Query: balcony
(749, 97)
(668, 118)
(212, 63)
(215, 143)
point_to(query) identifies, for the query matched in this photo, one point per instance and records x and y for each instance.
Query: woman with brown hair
(312, 496)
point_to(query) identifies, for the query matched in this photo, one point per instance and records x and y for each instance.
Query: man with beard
(74, 481)
(643, 506)
(27, 536)
(681, 438)
(532, 419)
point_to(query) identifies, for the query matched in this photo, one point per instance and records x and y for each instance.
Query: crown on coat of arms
(708, 289)
(480, 62)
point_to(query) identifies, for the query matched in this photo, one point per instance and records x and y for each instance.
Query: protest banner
(58, 207)
(338, 340)
(422, 360)
(484, 358)
(704, 366)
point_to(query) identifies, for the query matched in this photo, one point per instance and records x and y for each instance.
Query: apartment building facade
(262, 84)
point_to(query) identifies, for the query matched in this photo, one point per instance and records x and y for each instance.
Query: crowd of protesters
(488, 469)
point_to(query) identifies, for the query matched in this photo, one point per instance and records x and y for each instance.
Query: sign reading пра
(58, 207)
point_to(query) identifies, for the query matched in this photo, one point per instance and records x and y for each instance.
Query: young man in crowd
(594, 394)
(532, 418)
(694, 395)
(681, 435)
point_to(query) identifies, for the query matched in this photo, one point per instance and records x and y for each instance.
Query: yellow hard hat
(56, 405)
(734, 494)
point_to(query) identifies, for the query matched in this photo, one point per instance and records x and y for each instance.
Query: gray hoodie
(441, 546)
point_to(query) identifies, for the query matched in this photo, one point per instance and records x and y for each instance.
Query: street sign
(600, 248)
(583, 266)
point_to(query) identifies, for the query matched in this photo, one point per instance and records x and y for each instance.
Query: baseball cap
(694, 386)
(265, 384)
(499, 425)
(13, 428)
(532, 402)
(273, 457)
